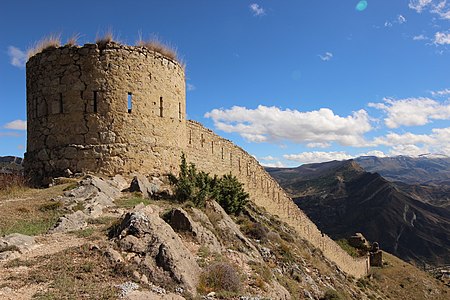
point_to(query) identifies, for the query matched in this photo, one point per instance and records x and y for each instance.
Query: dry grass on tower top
(50, 41)
(159, 47)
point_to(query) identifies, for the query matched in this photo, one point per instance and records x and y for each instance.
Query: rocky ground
(112, 238)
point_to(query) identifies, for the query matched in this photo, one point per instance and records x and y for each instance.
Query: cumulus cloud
(18, 58)
(441, 38)
(276, 164)
(271, 124)
(318, 145)
(412, 111)
(327, 56)
(269, 158)
(419, 5)
(438, 7)
(16, 125)
(317, 157)
(257, 10)
(401, 19)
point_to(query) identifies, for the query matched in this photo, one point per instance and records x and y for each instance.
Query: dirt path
(10, 284)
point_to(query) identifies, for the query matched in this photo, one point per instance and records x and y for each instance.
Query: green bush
(198, 187)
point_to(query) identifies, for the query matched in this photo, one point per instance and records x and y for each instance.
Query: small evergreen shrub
(219, 277)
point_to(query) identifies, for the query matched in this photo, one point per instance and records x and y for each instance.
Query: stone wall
(79, 117)
(216, 155)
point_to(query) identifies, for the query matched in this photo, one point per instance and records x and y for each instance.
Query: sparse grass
(331, 294)
(107, 37)
(158, 46)
(17, 262)
(343, 243)
(73, 40)
(50, 41)
(130, 202)
(76, 273)
(83, 233)
(12, 185)
(30, 212)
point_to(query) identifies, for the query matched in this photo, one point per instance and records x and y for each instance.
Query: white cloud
(269, 158)
(420, 37)
(190, 87)
(392, 139)
(412, 111)
(327, 56)
(16, 125)
(318, 145)
(401, 19)
(419, 5)
(257, 10)
(387, 24)
(377, 153)
(317, 156)
(441, 92)
(439, 7)
(276, 164)
(271, 124)
(408, 150)
(441, 38)
(17, 56)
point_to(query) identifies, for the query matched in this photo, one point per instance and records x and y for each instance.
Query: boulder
(70, 222)
(231, 229)
(15, 243)
(181, 221)
(141, 184)
(144, 232)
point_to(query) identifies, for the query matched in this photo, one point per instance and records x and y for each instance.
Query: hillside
(343, 199)
(92, 238)
(10, 164)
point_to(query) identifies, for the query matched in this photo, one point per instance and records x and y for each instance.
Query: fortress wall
(216, 155)
(79, 115)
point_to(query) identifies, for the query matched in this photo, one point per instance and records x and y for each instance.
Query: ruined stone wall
(216, 155)
(79, 116)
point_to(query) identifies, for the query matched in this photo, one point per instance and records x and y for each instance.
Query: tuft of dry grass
(12, 184)
(50, 41)
(73, 40)
(107, 37)
(158, 46)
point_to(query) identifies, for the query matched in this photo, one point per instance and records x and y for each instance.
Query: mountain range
(405, 207)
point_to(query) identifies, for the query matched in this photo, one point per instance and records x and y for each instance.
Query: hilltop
(93, 238)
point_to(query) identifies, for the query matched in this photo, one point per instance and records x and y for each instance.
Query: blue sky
(290, 81)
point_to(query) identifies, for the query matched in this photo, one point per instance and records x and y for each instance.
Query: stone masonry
(120, 110)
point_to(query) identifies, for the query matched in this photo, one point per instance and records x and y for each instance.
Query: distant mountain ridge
(425, 169)
(342, 198)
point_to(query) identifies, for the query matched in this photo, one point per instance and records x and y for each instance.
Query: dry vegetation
(50, 41)
(157, 46)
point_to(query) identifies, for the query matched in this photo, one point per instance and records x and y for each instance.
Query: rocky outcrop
(14, 244)
(143, 232)
(181, 221)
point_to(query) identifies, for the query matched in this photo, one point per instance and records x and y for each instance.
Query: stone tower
(110, 109)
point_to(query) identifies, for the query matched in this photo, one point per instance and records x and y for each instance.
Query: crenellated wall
(216, 155)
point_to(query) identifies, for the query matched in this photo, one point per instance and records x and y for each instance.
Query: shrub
(331, 295)
(256, 231)
(219, 277)
(195, 186)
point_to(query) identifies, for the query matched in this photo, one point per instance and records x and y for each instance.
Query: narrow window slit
(202, 140)
(190, 137)
(179, 111)
(130, 102)
(61, 106)
(161, 106)
(95, 102)
(212, 147)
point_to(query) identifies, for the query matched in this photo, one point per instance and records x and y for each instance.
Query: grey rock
(113, 255)
(141, 184)
(161, 246)
(70, 222)
(17, 242)
(181, 221)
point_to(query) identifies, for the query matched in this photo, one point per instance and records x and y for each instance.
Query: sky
(291, 82)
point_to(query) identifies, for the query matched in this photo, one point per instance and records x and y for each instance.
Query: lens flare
(362, 5)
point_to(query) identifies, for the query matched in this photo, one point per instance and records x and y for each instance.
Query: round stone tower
(110, 109)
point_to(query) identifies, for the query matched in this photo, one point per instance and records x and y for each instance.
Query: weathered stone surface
(141, 184)
(15, 243)
(181, 221)
(113, 255)
(145, 232)
(70, 222)
(278, 292)
(227, 225)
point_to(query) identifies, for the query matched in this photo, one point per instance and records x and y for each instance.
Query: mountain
(342, 198)
(10, 164)
(425, 169)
